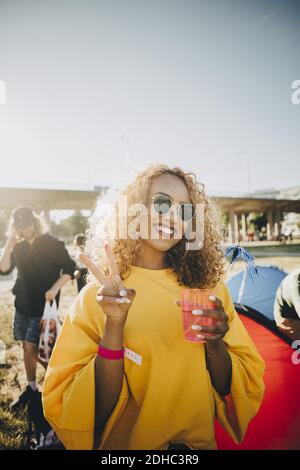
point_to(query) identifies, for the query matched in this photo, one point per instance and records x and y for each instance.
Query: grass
(274, 250)
(13, 428)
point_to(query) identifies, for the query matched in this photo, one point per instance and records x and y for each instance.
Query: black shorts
(26, 328)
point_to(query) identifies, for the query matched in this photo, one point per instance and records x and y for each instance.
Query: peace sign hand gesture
(113, 297)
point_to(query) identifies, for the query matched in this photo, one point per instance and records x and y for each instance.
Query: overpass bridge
(237, 208)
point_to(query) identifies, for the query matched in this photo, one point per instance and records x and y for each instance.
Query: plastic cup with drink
(194, 303)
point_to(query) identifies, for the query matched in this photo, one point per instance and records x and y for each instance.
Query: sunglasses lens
(162, 204)
(187, 211)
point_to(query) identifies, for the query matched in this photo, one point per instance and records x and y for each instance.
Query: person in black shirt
(81, 271)
(43, 266)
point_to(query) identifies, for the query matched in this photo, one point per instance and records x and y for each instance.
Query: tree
(224, 223)
(67, 228)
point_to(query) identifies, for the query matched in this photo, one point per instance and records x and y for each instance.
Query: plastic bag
(50, 327)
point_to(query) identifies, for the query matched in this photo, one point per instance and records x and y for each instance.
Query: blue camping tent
(267, 430)
(259, 294)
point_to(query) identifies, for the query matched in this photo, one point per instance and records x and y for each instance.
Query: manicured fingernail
(196, 327)
(212, 297)
(201, 336)
(123, 292)
(197, 312)
(123, 300)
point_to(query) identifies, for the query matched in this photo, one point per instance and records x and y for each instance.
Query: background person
(81, 271)
(287, 305)
(43, 266)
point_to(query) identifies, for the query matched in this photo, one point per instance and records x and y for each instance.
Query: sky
(96, 90)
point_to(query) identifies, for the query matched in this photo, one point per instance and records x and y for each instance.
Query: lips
(165, 230)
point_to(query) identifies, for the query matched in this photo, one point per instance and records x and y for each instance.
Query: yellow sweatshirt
(167, 396)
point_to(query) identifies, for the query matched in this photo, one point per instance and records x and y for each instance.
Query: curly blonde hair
(194, 268)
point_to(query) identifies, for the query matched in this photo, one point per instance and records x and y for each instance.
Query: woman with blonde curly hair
(122, 375)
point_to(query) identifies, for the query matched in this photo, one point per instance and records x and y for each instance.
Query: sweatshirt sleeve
(63, 259)
(235, 411)
(295, 292)
(69, 387)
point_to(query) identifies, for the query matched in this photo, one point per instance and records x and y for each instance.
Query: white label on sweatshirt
(133, 356)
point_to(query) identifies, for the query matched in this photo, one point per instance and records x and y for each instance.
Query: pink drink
(196, 299)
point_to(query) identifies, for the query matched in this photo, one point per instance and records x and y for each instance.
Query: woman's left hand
(221, 326)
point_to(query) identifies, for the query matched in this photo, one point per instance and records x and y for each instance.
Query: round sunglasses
(163, 203)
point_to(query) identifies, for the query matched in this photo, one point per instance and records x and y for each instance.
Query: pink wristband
(109, 353)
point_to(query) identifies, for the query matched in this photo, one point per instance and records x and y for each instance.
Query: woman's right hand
(12, 237)
(113, 297)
